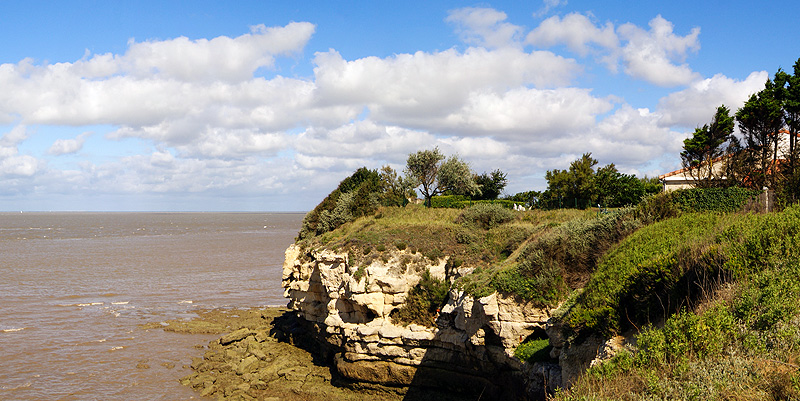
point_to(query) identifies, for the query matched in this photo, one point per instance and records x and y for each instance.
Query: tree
(396, 188)
(701, 152)
(787, 93)
(491, 184)
(435, 177)
(456, 178)
(615, 189)
(424, 166)
(760, 120)
(573, 186)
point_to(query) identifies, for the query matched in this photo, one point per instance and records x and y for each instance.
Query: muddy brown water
(76, 287)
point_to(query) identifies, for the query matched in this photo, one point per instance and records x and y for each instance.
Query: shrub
(423, 302)
(356, 196)
(449, 201)
(545, 270)
(485, 215)
(714, 199)
(534, 351)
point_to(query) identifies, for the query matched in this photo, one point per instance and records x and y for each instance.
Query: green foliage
(527, 199)
(423, 302)
(449, 201)
(491, 185)
(534, 351)
(701, 151)
(614, 189)
(547, 269)
(741, 340)
(759, 120)
(461, 202)
(456, 178)
(729, 199)
(356, 196)
(577, 183)
(423, 166)
(485, 216)
(637, 281)
(396, 189)
(581, 186)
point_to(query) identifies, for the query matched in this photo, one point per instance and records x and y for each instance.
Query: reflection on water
(75, 286)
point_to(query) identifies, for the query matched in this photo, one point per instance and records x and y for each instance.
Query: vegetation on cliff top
(729, 288)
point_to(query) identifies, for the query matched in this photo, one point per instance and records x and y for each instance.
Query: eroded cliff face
(469, 349)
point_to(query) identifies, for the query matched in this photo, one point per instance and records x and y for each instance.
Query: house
(682, 179)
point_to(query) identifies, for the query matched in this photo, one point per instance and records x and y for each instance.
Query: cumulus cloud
(213, 125)
(411, 89)
(67, 146)
(484, 27)
(523, 114)
(576, 31)
(221, 58)
(695, 105)
(652, 55)
(13, 164)
(656, 55)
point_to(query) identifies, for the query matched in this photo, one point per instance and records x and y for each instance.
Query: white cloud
(575, 31)
(651, 55)
(411, 89)
(549, 5)
(67, 146)
(630, 137)
(484, 27)
(656, 55)
(220, 58)
(12, 164)
(524, 114)
(695, 105)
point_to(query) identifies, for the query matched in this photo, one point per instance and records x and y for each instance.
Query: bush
(449, 201)
(564, 258)
(356, 196)
(714, 199)
(485, 215)
(534, 351)
(423, 302)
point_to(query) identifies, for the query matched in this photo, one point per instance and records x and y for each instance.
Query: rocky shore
(269, 354)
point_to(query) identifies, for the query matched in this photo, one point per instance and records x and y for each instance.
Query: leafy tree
(424, 167)
(396, 188)
(573, 186)
(528, 198)
(760, 120)
(615, 189)
(491, 184)
(702, 151)
(456, 178)
(427, 169)
(787, 92)
(651, 186)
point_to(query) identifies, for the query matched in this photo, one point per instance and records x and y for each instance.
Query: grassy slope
(728, 284)
(734, 281)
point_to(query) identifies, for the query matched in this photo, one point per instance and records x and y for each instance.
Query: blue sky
(267, 105)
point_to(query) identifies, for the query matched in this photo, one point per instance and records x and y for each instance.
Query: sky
(268, 105)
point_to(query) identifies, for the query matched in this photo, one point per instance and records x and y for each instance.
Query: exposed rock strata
(471, 347)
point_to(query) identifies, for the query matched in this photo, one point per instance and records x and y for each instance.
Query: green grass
(737, 338)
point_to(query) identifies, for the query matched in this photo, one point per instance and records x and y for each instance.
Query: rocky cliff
(469, 349)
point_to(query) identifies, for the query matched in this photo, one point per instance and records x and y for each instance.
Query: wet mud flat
(265, 354)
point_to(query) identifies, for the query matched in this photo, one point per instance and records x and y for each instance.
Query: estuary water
(75, 287)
